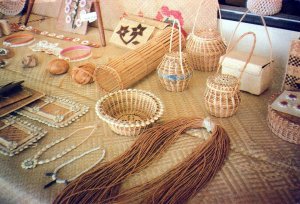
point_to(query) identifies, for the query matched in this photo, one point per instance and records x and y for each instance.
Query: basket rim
(116, 122)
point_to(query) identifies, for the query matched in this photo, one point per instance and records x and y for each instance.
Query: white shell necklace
(33, 162)
(53, 174)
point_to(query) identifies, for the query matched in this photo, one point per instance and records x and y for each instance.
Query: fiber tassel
(103, 183)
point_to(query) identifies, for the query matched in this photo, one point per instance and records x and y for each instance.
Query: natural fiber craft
(222, 94)
(11, 7)
(83, 74)
(285, 126)
(124, 71)
(174, 71)
(264, 7)
(129, 112)
(205, 48)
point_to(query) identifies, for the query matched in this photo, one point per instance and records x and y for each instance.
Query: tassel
(103, 184)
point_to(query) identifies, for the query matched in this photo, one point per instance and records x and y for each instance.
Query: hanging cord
(180, 42)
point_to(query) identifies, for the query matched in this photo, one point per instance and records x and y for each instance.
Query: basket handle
(266, 29)
(176, 21)
(197, 14)
(230, 48)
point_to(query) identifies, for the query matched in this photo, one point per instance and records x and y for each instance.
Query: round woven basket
(285, 126)
(264, 7)
(222, 94)
(174, 71)
(129, 112)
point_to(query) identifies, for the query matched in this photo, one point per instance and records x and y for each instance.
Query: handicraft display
(126, 70)
(222, 94)
(174, 71)
(131, 34)
(284, 116)
(54, 111)
(129, 112)
(70, 16)
(104, 183)
(17, 134)
(292, 77)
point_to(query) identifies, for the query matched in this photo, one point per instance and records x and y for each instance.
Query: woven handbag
(222, 94)
(264, 7)
(174, 71)
(205, 48)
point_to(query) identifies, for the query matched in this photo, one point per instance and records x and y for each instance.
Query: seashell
(58, 66)
(84, 73)
(30, 61)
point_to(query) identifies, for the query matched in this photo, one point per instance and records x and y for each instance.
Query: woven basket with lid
(222, 94)
(264, 7)
(205, 47)
(174, 71)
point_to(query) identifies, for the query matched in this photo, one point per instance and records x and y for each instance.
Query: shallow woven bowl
(222, 96)
(129, 112)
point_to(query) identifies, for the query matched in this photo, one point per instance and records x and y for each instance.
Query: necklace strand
(53, 174)
(33, 162)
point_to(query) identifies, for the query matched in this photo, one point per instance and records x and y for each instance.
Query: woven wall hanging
(222, 94)
(205, 48)
(11, 7)
(174, 71)
(103, 183)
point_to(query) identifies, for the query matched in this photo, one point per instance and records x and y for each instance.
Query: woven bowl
(129, 112)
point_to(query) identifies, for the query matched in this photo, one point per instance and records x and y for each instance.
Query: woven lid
(223, 82)
(11, 7)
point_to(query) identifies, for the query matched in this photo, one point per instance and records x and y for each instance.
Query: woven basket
(222, 94)
(264, 7)
(129, 112)
(205, 48)
(284, 126)
(174, 71)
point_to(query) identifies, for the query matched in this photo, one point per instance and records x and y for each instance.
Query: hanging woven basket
(222, 94)
(174, 71)
(205, 48)
(264, 7)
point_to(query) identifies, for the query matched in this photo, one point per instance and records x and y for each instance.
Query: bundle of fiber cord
(103, 183)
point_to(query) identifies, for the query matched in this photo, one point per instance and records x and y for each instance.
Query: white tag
(90, 17)
(208, 124)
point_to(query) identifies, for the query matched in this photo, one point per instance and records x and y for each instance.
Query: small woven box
(285, 126)
(222, 94)
(174, 71)
(129, 112)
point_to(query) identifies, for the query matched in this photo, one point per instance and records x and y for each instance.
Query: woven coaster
(54, 111)
(20, 104)
(17, 135)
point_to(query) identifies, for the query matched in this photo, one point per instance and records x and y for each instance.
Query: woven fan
(11, 7)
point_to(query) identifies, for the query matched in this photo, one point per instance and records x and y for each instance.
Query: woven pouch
(264, 7)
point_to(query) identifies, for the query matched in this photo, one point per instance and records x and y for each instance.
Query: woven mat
(261, 167)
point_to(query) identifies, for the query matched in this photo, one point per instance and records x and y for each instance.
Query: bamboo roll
(125, 71)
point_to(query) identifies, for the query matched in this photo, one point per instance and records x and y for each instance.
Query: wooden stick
(28, 12)
(100, 23)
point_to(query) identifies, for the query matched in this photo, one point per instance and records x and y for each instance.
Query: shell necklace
(55, 179)
(34, 161)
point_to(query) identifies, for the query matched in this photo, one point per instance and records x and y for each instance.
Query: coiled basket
(129, 112)
(222, 94)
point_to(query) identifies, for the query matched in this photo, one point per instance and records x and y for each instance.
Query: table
(261, 168)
